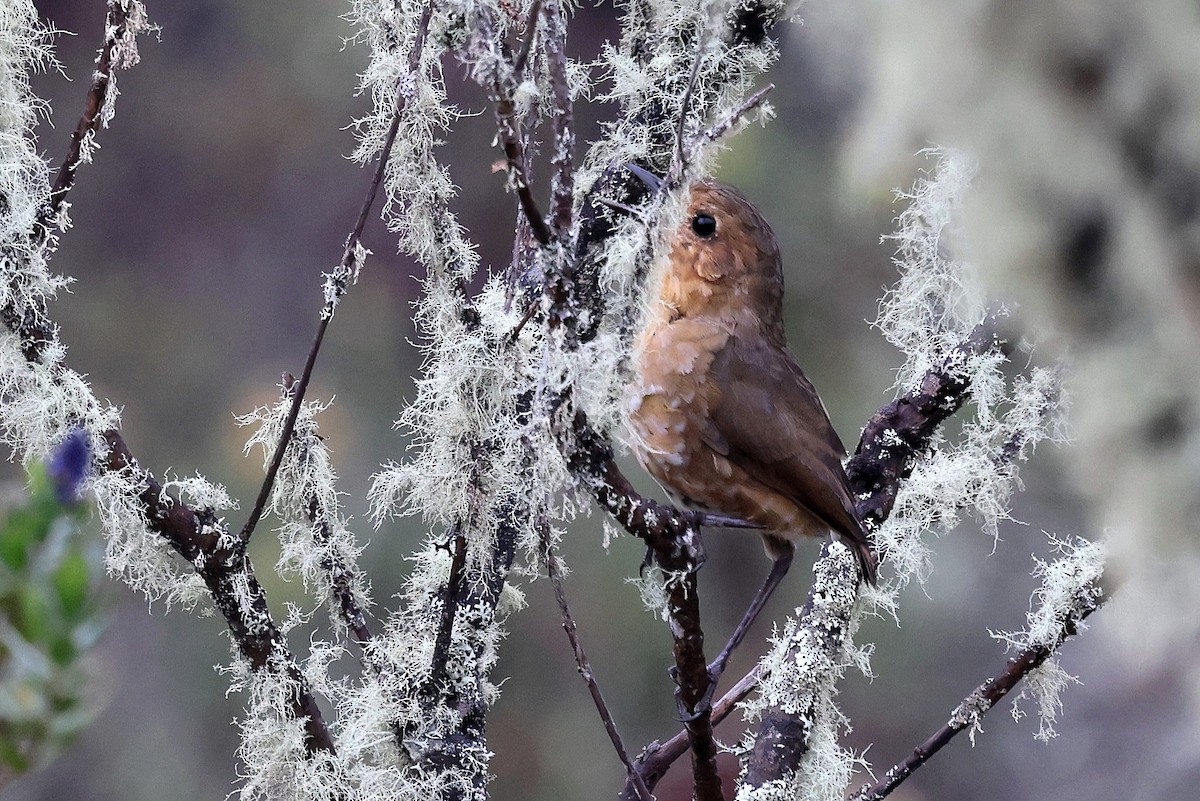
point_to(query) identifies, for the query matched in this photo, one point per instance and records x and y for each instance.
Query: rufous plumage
(722, 416)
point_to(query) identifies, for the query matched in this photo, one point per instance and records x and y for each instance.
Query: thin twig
(529, 312)
(535, 9)
(656, 758)
(974, 707)
(450, 594)
(585, 669)
(342, 579)
(348, 257)
(115, 27)
(624, 208)
(680, 153)
(562, 191)
(716, 520)
(750, 103)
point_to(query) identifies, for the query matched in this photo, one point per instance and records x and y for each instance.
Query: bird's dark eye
(704, 225)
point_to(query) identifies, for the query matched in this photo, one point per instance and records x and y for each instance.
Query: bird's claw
(701, 708)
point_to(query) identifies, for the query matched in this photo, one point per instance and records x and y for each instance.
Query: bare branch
(585, 669)
(349, 259)
(652, 764)
(535, 10)
(680, 153)
(508, 128)
(675, 541)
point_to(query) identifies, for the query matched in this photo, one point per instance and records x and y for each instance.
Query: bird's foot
(702, 707)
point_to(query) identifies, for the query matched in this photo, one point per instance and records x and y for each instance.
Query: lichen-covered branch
(124, 22)
(1083, 597)
(220, 559)
(891, 443)
(907, 477)
(314, 534)
(43, 401)
(563, 184)
(896, 435)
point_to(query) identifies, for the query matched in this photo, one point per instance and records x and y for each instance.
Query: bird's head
(724, 259)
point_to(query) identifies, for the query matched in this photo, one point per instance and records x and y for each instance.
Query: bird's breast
(670, 402)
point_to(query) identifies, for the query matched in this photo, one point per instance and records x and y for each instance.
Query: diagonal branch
(503, 88)
(977, 704)
(891, 443)
(734, 117)
(222, 561)
(339, 281)
(122, 24)
(322, 514)
(585, 669)
(656, 758)
(450, 596)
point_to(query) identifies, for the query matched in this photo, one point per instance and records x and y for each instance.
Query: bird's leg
(783, 560)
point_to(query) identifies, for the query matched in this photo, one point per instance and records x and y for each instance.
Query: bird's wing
(769, 420)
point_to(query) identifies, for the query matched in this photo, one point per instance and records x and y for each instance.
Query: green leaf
(34, 620)
(22, 528)
(11, 756)
(71, 583)
(62, 650)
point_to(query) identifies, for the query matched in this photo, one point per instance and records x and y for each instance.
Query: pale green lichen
(1070, 590)
(935, 307)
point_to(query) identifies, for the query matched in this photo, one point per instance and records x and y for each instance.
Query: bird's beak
(652, 181)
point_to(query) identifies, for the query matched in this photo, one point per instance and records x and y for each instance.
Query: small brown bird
(721, 414)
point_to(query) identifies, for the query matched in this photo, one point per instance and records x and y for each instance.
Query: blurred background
(222, 191)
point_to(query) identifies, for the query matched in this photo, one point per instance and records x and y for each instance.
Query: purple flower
(68, 466)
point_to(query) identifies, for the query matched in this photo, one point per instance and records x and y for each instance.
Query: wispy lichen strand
(936, 306)
(315, 537)
(1070, 590)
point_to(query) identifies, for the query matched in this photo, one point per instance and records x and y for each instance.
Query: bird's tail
(868, 561)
